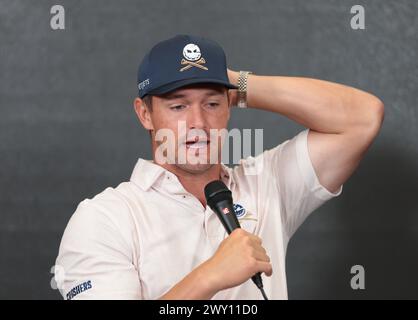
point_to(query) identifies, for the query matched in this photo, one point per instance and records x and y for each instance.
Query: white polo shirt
(136, 241)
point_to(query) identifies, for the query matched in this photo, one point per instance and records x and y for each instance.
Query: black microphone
(219, 199)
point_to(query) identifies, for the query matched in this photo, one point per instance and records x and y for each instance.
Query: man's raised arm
(343, 120)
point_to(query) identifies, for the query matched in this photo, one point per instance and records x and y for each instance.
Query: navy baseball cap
(180, 61)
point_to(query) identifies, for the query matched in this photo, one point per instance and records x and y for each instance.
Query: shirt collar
(146, 173)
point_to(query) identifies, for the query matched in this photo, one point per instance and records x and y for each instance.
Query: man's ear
(143, 113)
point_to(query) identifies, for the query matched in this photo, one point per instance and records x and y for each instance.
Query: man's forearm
(323, 106)
(195, 286)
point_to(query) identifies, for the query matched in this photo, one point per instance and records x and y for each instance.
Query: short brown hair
(148, 101)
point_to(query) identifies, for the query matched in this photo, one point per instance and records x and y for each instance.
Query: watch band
(242, 89)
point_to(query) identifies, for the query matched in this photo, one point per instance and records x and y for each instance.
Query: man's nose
(196, 118)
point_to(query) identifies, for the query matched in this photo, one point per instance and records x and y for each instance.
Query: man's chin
(195, 168)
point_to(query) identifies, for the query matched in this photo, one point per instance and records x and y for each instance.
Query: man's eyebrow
(172, 96)
(214, 93)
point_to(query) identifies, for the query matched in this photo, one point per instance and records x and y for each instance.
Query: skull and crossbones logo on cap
(193, 57)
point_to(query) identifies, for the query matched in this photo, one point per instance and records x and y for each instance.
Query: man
(154, 237)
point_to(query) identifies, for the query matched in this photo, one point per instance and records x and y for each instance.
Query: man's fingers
(261, 255)
(256, 239)
(239, 232)
(260, 249)
(265, 267)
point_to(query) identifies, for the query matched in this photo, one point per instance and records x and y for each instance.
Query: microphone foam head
(216, 191)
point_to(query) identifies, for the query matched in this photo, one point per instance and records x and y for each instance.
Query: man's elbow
(371, 112)
(376, 110)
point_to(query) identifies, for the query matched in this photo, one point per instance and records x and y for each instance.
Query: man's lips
(196, 143)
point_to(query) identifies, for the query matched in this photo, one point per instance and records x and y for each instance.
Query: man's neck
(195, 182)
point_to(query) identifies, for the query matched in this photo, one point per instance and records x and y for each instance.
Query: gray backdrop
(68, 129)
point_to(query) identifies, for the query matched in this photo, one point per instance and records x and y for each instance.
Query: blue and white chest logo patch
(240, 211)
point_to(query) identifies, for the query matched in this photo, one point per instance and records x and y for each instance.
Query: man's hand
(238, 258)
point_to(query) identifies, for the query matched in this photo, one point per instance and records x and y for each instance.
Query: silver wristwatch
(242, 89)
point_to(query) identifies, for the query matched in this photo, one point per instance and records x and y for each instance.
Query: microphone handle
(226, 214)
(230, 223)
